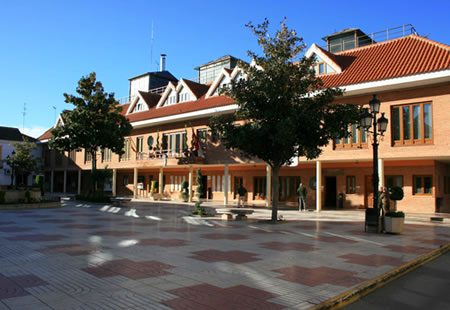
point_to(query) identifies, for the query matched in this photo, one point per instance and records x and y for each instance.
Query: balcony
(171, 157)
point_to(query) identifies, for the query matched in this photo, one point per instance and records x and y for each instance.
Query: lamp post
(369, 119)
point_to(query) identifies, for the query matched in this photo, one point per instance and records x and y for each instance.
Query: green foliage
(40, 182)
(23, 162)
(2, 197)
(94, 197)
(396, 193)
(395, 214)
(157, 146)
(99, 176)
(201, 187)
(27, 196)
(95, 122)
(199, 210)
(283, 109)
(185, 187)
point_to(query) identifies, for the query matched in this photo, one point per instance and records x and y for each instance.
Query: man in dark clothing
(241, 192)
(301, 193)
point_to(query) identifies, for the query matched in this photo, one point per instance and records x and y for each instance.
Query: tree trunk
(94, 167)
(275, 192)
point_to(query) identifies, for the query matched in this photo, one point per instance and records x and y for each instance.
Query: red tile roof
(396, 58)
(184, 107)
(198, 89)
(46, 135)
(150, 99)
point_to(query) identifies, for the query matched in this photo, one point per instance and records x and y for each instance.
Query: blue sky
(46, 46)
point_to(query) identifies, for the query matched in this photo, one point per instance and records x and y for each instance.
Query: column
(318, 186)
(191, 179)
(135, 183)
(114, 183)
(52, 177)
(225, 183)
(65, 182)
(381, 172)
(79, 182)
(160, 185)
(268, 186)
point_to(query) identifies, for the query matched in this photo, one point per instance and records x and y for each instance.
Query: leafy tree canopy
(283, 109)
(23, 161)
(95, 122)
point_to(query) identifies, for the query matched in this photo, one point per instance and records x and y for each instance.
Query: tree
(284, 111)
(22, 160)
(94, 124)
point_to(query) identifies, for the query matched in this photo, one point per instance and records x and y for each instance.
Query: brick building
(410, 76)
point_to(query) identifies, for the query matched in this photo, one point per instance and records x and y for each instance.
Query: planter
(393, 225)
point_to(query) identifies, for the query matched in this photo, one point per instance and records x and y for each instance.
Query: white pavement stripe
(354, 238)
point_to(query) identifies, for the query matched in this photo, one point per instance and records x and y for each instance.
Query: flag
(132, 145)
(197, 146)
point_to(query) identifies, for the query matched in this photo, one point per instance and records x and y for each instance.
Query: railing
(158, 90)
(169, 153)
(376, 37)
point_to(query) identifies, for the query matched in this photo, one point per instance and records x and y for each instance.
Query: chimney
(162, 63)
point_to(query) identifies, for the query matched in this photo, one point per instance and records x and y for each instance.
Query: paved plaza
(157, 256)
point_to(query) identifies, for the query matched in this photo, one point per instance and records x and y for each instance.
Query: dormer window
(172, 99)
(321, 68)
(139, 107)
(184, 97)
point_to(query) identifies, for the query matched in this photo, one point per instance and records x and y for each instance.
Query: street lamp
(369, 119)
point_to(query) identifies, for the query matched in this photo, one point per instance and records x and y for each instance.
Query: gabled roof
(149, 99)
(390, 59)
(197, 88)
(183, 107)
(13, 134)
(326, 56)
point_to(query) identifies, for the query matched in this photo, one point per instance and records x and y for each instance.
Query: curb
(369, 286)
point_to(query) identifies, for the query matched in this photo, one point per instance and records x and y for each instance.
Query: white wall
(7, 149)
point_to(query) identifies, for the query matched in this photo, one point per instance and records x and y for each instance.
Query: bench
(118, 201)
(241, 213)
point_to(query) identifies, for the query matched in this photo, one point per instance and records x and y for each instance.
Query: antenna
(24, 113)
(151, 46)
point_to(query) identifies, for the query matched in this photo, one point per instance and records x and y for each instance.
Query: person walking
(241, 191)
(301, 193)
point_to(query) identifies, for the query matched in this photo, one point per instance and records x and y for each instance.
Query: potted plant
(393, 222)
(395, 194)
(184, 194)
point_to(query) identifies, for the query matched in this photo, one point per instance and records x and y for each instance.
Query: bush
(2, 197)
(395, 214)
(40, 182)
(396, 193)
(27, 196)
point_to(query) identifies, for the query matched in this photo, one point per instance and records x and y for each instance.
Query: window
(87, 156)
(357, 139)
(139, 144)
(259, 188)
(393, 180)
(184, 97)
(320, 68)
(350, 184)
(127, 150)
(412, 124)
(423, 185)
(106, 154)
(176, 143)
(125, 180)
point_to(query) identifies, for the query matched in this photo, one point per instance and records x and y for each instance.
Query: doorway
(330, 192)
